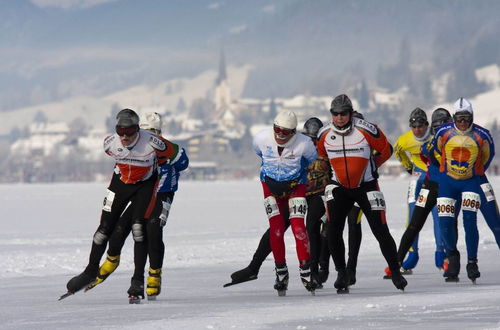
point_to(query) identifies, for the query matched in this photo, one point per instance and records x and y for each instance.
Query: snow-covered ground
(213, 229)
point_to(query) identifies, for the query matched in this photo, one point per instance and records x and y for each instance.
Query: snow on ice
(213, 230)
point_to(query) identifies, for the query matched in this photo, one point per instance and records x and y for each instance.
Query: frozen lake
(213, 230)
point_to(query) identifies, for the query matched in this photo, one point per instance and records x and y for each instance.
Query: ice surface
(213, 230)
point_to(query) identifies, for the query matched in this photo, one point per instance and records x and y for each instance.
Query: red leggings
(277, 227)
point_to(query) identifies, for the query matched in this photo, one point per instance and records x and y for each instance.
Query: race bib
(470, 201)
(376, 199)
(412, 187)
(271, 207)
(297, 207)
(108, 201)
(422, 197)
(488, 192)
(446, 207)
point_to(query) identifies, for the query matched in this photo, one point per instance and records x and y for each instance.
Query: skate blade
(313, 293)
(66, 295)
(387, 277)
(406, 271)
(452, 279)
(134, 300)
(281, 293)
(152, 298)
(238, 282)
(343, 291)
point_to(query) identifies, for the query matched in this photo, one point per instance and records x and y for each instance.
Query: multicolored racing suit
(283, 175)
(173, 161)
(135, 182)
(464, 157)
(354, 180)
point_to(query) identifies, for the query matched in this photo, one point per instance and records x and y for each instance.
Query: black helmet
(312, 126)
(418, 117)
(341, 103)
(439, 117)
(127, 118)
(359, 115)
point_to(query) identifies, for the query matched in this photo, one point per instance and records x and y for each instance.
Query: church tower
(222, 93)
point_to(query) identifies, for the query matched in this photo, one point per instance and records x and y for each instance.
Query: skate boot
(451, 273)
(106, 269)
(439, 257)
(307, 278)
(351, 275)
(281, 284)
(342, 281)
(388, 273)
(80, 281)
(323, 274)
(399, 281)
(472, 270)
(136, 291)
(410, 263)
(153, 288)
(244, 275)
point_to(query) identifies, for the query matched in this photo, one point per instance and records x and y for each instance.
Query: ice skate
(79, 282)
(451, 273)
(399, 281)
(308, 279)
(281, 284)
(342, 282)
(153, 287)
(388, 274)
(136, 291)
(106, 269)
(243, 275)
(323, 274)
(472, 270)
(351, 275)
(439, 258)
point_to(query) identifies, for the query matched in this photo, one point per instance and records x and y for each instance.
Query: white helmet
(286, 119)
(461, 105)
(151, 121)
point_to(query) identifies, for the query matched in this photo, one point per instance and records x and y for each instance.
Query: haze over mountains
(56, 49)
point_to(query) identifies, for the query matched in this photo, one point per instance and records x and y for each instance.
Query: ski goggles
(283, 131)
(341, 113)
(128, 131)
(465, 118)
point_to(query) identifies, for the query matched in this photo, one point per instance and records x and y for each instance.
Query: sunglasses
(343, 113)
(128, 131)
(284, 131)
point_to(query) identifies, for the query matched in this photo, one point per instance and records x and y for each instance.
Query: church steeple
(222, 68)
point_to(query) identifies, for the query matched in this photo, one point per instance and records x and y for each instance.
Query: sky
(46, 236)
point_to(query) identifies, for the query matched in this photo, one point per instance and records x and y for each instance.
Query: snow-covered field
(214, 227)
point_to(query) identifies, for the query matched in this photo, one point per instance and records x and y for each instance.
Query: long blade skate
(281, 283)
(254, 277)
(66, 295)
